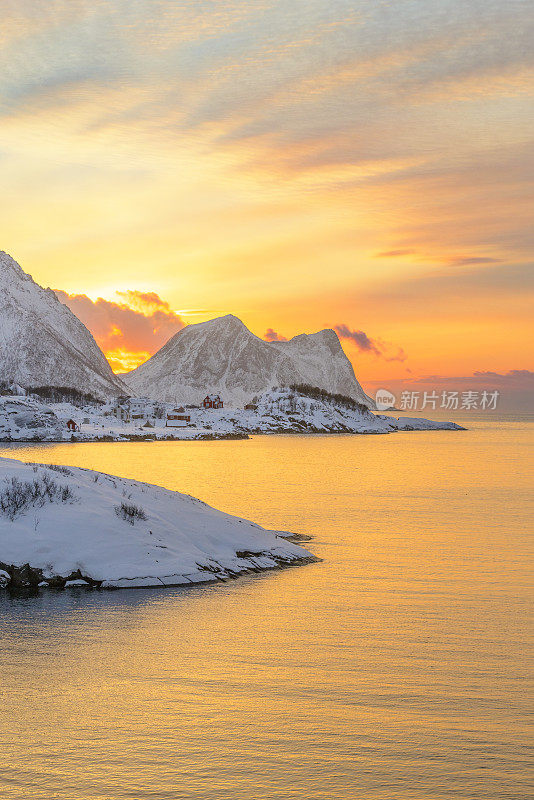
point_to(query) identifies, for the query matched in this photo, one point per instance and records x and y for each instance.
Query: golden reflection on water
(395, 668)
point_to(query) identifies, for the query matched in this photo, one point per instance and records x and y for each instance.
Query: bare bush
(130, 512)
(17, 496)
(58, 468)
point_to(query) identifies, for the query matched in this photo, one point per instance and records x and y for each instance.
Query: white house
(133, 409)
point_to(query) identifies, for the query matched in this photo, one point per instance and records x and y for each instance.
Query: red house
(213, 401)
(71, 425)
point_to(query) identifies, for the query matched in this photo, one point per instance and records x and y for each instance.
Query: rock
(25, 577)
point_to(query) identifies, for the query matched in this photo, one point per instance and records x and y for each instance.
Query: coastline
(63, 527)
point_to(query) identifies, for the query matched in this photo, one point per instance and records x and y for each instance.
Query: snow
(42, 343)
(418, 424)
(223, 357)
(176, 540)
(28, 419)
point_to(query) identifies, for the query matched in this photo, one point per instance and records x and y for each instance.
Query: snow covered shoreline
(28, 419)
(67, 526)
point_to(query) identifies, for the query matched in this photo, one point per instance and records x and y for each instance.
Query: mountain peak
(42, 343)
(226, 321)
(221, 356)
(329, 337)
(8, 262)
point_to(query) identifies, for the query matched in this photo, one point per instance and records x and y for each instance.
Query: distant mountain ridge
(222, 356)
(42, 343)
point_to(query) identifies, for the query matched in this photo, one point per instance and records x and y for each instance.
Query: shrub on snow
(130, 512)
(17, 496)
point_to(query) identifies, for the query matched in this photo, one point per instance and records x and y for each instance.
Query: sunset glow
(266, 399)
(301, 165)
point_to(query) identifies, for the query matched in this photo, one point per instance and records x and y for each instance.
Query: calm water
(396, 668)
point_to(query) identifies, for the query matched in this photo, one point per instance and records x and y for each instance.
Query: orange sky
(299, 164)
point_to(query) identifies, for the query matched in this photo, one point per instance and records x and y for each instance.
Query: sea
(398, 667)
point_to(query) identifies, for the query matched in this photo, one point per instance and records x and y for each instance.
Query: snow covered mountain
(42, 343)
(222, 356)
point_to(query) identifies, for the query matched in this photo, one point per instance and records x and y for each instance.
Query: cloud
(456, 261)
(367, 345)
(133, 137)
(490, 284)
(272, 336)
(465, 261)
(146, 301)
(128, 333)
(394, 253)
(360, 339)
(514, 378)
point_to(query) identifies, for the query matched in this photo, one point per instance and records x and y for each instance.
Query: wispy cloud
(487, 278)
(514, 379)
(395, 253)
(465, 261)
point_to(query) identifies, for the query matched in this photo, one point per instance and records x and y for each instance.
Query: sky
(364, 166)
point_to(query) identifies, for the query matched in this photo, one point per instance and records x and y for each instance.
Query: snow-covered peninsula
(66, 526)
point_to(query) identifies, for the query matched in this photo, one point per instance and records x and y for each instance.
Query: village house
(212, 401)
(133, 409)
(121, 408)
(141, 408)
(177, 418)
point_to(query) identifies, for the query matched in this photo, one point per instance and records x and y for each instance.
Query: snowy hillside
(42, 343)
(222, 356)
(76, 525)
(285, 410)
(25, 419)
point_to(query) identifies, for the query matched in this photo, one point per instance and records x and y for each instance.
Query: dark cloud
(367, 345)
(272, 336)
(360, 339)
